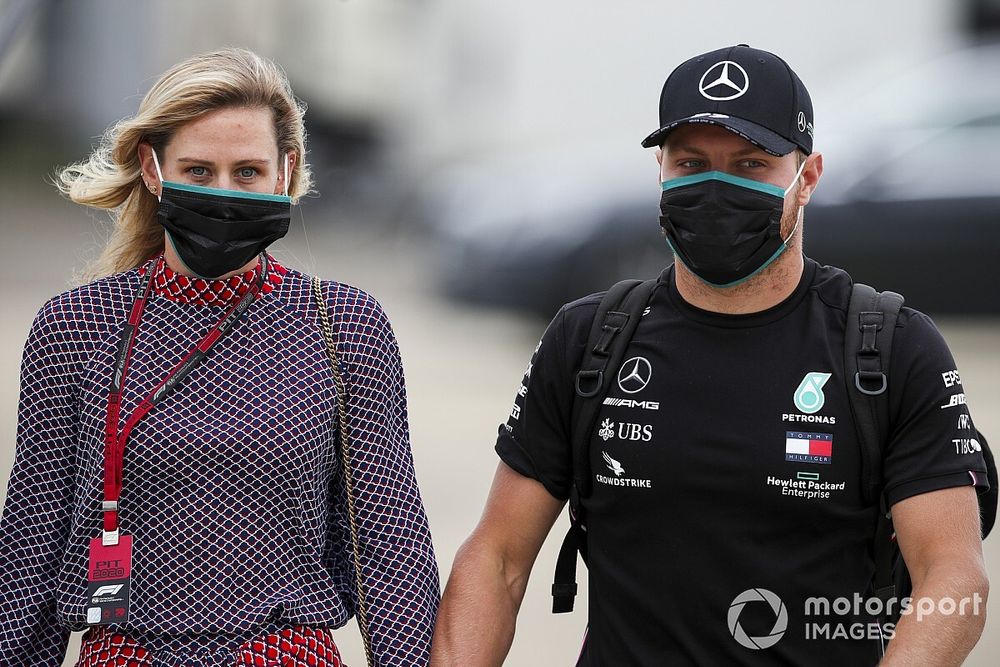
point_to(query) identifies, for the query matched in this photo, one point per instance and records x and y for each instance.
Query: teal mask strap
(219, 192)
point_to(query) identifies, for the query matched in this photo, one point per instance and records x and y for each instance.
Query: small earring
(152, 188)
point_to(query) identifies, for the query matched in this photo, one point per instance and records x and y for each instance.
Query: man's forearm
(937, 633)
(475, 623)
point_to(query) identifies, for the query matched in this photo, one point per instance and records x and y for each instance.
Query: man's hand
(475, 624)
(939, 536)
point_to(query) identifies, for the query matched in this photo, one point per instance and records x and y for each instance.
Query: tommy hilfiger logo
(805, 447)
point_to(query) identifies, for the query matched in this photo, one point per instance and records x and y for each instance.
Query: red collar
(184, 289)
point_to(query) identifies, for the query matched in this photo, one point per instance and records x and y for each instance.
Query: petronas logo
(809, 396)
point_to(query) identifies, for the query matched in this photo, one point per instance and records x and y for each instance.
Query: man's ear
(659, 161)
(811, 174)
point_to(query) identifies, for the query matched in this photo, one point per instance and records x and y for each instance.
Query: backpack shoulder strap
(871, 322)
(613, 326)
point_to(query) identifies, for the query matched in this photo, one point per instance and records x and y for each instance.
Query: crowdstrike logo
(634, 375)
(613, 465)
(780, 618)
(726, 79)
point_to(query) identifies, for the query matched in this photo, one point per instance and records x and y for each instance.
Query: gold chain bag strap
(331, 352)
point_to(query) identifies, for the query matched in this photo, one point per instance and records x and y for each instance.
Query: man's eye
(752, 164)
(247, 172)
(690, 164)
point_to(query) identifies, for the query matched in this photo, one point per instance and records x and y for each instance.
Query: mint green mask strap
(747, 183)
(234, 194)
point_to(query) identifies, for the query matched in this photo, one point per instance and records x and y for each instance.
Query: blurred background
(478, 164)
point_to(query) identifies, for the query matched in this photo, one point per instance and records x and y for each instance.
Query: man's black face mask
(723, 228)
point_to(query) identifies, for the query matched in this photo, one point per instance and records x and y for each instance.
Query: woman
(179, 488)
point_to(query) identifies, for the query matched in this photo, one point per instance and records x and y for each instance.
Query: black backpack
(871, 321)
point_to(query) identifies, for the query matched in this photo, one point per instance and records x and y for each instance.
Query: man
(713, 536)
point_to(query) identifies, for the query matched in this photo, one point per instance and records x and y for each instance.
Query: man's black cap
(747, 91)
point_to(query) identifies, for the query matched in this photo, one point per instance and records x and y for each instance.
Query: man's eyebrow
(687, 149)
(749, 150)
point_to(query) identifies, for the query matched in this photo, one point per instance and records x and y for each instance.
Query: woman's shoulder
(342, 299)
(91, 306)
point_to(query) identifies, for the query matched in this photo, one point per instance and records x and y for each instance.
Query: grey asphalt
(462, 366)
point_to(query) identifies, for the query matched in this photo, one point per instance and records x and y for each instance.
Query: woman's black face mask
(725, 229)
(215, 231)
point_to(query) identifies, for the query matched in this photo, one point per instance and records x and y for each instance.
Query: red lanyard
(114, 441)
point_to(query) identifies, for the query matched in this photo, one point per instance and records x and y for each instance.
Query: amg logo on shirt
(629, 403)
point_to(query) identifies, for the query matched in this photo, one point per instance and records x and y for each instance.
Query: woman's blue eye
(248, 172)
(198, 171)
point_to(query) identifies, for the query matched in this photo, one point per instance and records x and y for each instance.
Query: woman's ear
(148, 168)
(290, 159)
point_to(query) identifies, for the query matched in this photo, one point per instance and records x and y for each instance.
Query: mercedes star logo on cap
(728, 84)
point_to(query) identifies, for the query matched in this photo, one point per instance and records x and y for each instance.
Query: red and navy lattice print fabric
(183, 289)
(290, 647)
(232, 486)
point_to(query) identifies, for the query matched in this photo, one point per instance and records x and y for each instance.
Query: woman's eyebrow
(255, 160)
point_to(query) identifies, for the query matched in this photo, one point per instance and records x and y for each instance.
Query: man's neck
(765, 290)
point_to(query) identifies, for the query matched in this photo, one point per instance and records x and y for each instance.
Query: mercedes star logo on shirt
(724, 82)
(634, 375)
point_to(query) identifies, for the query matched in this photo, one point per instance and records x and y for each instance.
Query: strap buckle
(865, 376)
(598, 381)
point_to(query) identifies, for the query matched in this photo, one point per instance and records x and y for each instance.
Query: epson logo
(630, 403)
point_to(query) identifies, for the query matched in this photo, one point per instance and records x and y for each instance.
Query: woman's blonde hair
(112, 177)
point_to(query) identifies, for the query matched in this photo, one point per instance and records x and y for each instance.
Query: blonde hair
(111, 178)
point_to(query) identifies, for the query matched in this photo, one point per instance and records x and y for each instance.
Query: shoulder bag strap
(331, 353)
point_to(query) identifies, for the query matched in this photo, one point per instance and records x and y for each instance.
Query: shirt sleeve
(933, 443)
(34, 529)
(399, 568)
(535, 440)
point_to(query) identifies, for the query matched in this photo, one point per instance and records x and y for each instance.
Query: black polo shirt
(726, 503)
